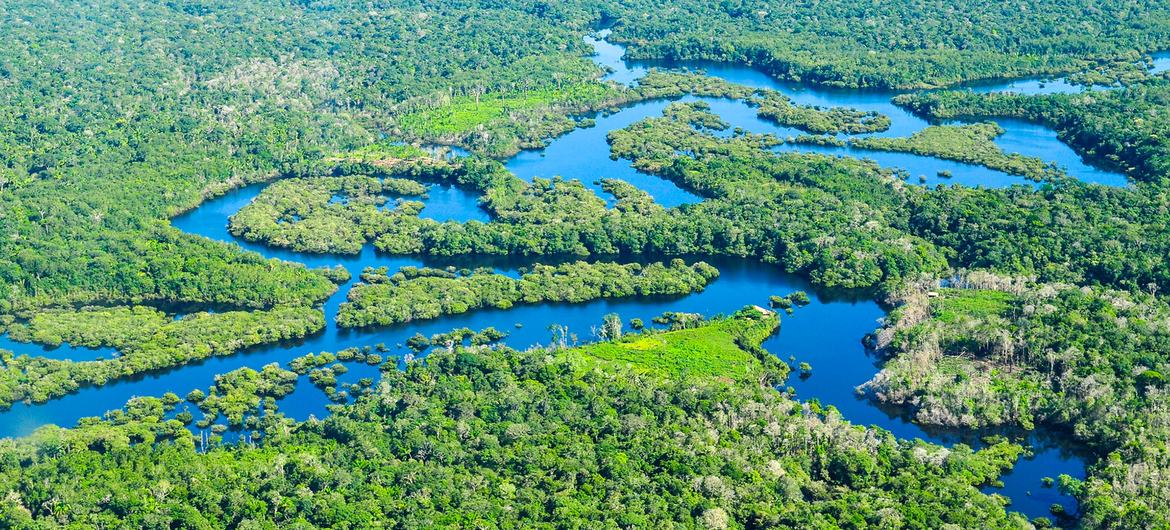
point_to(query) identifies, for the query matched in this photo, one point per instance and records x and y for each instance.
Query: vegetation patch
(325, 214)
(191, 338)
(466, 113)
(418, 294)
(954, 304)
(119, 327)
(995, 351)
(502, 123)
(972, 144)
(1126, 129)
(702, 451)
(728, 348)
(237, 395)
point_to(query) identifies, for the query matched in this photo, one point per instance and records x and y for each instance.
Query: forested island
(318, 264)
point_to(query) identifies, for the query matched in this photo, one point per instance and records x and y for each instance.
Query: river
(827, 333)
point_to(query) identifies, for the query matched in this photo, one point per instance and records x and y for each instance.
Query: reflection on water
(1161, 63)
(445, 202)
(64, 352)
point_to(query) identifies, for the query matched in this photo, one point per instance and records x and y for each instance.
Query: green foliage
(777, 108)
(382, 154)
(500, 124)
(771, 104)
(727, 348)
(803, 211)
(1002, 351)
(972, 144)
(1126, 129)
(324, 214)
(192, 338)
(238, 393)
(955, 304)
(797, 298)
(1066, 233)
(457, 441)
(779, 302)
(904, 44)
(417, 294)
(92, 327)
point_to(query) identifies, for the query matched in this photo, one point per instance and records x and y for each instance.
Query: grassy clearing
(971, 303)
(465, 114)
(381, 152)
(501, 123)
(721, 349)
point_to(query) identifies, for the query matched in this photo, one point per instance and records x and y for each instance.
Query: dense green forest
(145, 344)
(599, 435)
(994, 350)
(151, 107)
(901, 43)
(116, 116)
(418, 294)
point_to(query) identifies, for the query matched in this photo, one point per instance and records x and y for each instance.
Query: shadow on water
(64, 352)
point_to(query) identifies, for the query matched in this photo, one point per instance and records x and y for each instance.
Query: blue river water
(64, 352)
(1019, 136)
(1161, 63)
(827, 333)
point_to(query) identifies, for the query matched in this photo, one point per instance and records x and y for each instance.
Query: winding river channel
(827, 333)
